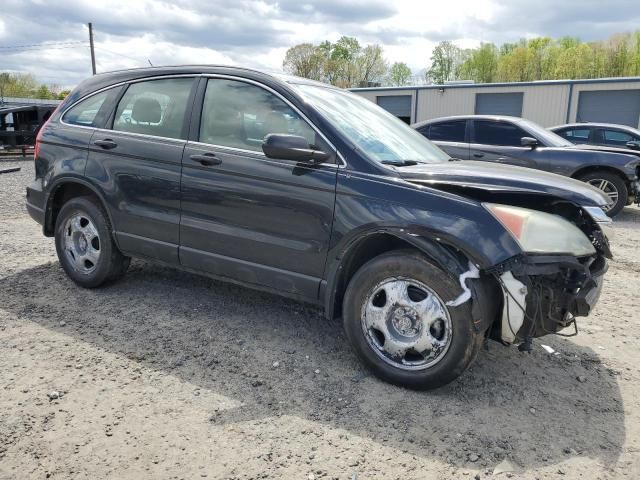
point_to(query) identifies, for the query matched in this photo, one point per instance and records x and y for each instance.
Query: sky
(257, 33)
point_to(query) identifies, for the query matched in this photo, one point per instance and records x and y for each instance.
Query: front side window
(154, 107)
(239, 115)
(498, 133)
(85, 112)
(448, 131)
(580, 135)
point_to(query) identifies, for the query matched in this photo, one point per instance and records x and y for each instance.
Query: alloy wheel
(609, 189)
(82, 243)
(406, 323)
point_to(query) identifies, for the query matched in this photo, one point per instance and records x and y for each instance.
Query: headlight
(540, 232)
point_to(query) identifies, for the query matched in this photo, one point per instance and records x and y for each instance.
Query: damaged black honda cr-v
(309, 191)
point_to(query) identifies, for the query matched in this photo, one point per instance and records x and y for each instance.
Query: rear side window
(85, 112)
(239, 115)
(616, 137)
(498, 133)
(576, 134)
(155, 107)
(452, 131)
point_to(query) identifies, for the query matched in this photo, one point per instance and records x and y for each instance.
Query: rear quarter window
(86, 111)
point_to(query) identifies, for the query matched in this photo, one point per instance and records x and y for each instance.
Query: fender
(448, 256)
(66, 180)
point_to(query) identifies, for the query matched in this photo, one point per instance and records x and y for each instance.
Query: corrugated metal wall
(546, 103)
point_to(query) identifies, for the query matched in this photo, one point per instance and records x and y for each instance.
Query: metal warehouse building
(552, 102)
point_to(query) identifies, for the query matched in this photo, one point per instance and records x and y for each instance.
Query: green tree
(370, 65)
(481, 65)
(445, 59)
(304, 60)
(399, 74)
(43, 92)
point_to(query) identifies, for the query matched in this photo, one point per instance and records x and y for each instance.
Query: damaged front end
(544, 293)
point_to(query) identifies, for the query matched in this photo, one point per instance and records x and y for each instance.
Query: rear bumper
(36, 213)
(35, 201)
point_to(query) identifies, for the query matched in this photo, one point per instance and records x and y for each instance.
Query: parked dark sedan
(309, 191)
(604, 134)
(515, 141)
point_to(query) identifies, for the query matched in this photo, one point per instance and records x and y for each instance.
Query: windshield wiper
(454, 159)
(400, 163)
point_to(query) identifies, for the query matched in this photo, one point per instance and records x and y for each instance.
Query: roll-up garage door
(499, 104)
(398, 105)
(610, 106)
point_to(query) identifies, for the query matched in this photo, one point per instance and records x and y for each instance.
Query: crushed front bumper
(545, 294)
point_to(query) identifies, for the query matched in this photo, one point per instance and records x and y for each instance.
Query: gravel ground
(170, 375)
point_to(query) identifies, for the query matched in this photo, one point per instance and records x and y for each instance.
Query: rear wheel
(613, 186)
(396, 317)
(84, 244)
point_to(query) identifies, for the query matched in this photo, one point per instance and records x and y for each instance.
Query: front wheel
(613, 186)
(396, 317)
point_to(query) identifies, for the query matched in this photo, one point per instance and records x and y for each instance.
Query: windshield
(547, 137)
(374, 131)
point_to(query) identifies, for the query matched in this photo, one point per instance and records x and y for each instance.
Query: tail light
(36, 148)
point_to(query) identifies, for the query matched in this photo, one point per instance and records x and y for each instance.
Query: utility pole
(93, 53)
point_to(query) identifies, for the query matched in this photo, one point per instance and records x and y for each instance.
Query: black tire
(110, 265)
(612, 179)
(464, 342)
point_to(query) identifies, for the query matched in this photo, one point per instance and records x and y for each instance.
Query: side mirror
(633, 145)
(529, 142)
(292, 147)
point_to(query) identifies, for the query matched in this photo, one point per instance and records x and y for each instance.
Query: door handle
(206, 159)
(107, 143)
(478, 155)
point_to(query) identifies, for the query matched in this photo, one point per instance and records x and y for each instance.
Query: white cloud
(257, 33)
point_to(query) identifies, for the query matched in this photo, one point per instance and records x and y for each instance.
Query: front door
(246, 217)
(500, 142)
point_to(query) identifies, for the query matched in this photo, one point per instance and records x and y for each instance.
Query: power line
(39, 49)
(49, 44)
(139, 59)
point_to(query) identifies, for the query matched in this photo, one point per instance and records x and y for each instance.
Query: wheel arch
(369, 245)
(62, 191)
(600, 168)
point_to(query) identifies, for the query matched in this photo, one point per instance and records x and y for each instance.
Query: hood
(503, 179)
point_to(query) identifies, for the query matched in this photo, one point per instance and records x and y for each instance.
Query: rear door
(69, 138)
(246, 217)
(136, 163)
(613, 137)
(500, 142)
(450, 136)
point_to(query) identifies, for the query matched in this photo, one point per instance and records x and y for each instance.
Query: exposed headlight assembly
(540, 232)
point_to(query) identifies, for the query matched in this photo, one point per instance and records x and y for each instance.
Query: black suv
(306, 190)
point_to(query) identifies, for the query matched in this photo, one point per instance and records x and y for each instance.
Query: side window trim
(196, 117)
